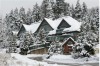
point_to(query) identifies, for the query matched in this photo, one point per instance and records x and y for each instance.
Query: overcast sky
(7, 5)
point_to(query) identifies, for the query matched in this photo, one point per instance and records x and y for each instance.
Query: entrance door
(66, 50)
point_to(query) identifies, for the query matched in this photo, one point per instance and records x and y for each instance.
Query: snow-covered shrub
(55, 48)
(82, 50)
(26, 42)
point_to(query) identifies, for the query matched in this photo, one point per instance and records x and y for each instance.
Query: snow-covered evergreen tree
(59, 8)
(82, 50)
(22, 15)
(41, 36)
(16, 14)
(84, 10)
(78, 10)
(12, 44)
(67, 10)
(55, 48)
(26, 42)
(29, 17)
(44, 7)
(36, 13)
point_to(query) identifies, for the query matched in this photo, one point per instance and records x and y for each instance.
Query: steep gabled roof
(75, 25)
(32, 28)
(70, 38)
(53, 23)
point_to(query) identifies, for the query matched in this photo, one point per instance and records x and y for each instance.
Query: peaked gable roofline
(47, 20)
(68, 25)
(75, 25)
(20, 30)
(67, 40)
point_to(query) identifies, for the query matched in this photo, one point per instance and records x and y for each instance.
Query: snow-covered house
(66, 27)
(57, 30)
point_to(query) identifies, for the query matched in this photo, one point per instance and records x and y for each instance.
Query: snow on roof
(67, 40)
(15, 32)
(32, 28)
(53, 23)
(75, 25)
(52, 32)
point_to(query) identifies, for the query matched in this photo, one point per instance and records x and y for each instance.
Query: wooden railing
(38, 46)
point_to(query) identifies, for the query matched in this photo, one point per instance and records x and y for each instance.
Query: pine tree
(12, 43)
(44, 7)
(82, 50)
(36, 13)
(42, 36)
(22, 15)
(89, 30)
(73, 11)
(29, 17)
(16, 14)
(78, 10)
(58, 8)
(84, 10)
(26, 41)
(11, 13)
(49, 9)
(67, 10)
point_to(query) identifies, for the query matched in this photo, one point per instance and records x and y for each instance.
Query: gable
(44, 25)
(22, 30)
(69, 41)
(63, 24)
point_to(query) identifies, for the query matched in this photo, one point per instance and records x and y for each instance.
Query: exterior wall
(22, 30)
(63, 24)
(40, 51)
(44, 25)
(66, 50)
(67, 46)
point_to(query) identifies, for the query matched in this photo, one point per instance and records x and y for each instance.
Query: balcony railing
(38, 46)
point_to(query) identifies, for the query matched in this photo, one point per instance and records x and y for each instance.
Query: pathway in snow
(39, 58)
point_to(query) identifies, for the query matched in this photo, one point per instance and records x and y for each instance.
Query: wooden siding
(63, 24)
(67, 46)
(21, 31)
(44, 25)
(40, 51)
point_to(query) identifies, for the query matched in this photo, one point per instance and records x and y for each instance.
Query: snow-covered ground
(14, 59)
(23, 60)
(66, 59)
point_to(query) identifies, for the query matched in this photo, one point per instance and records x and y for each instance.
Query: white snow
(21, 60)
(68, 59)
(14, 59)
(34, 55)
(52, 32)
(67, 40)
(54, 23)
(32, 28)
(75, 25)
(15, 32)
